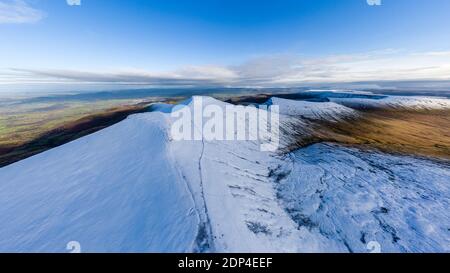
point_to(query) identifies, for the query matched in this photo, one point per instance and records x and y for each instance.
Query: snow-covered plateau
(132, 188)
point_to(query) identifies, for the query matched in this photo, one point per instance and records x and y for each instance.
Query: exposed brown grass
(422, 133)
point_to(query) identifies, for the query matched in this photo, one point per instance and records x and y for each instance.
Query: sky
(89, 44)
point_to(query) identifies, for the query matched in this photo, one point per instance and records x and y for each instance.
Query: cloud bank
(282, 70)
(18, 12)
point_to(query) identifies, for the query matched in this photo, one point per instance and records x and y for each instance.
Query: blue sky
(228, 42)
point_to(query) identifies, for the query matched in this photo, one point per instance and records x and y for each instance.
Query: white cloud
(184, 77)
(437, 53)
(371, 66)
(210, 72)
(18, 12)
(270, 71)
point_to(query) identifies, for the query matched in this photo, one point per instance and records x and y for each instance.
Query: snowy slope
(399, 102)
(349, 198)
(105, 191)
(232, 184)
(312, 110)
(132, 188)
(362, 100)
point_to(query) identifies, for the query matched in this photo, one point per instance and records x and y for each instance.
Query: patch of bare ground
(399, 131)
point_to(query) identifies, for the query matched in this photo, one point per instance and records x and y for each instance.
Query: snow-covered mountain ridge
(132, 188)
